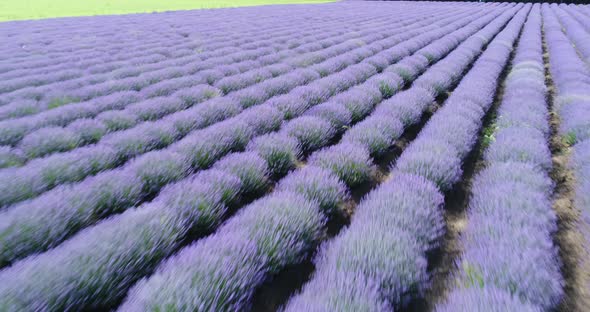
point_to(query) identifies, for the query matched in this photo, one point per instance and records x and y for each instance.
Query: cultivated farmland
(349, 156)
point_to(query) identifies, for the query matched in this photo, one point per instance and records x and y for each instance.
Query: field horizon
(13, 10)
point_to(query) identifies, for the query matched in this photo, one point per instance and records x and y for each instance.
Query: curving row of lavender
(570, 70)
(153, 102)
(184, 169)
(45, 221)
(174, 67)
(379, 262)
(170, 76)
(299, 130)
(46, 173)
(50, 139)
(273, 233)
(185, 40)
(509, 259)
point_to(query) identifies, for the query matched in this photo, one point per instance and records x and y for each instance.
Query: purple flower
(57, 214)
(317, 184)
(285, 226)
(360, 101)
(204, 114)
(225, 269)
(155, 108)
(349, 162)
(249, 167)
(262, 118)
(376, 133)
(388, 83)
(117, 120)
(122, 248)
(311, 132)
(520, 145)
(410, 67)
(159, 168)
(280, 151)
(260, 240)
(89, 130)
(196, 94)
(434, 160)
(145, 137)
(335, 113)
(290, 105)
(49, 140)
(407, 106)
(206, 146)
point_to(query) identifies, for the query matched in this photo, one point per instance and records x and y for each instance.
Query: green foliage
(569, 139)
(488, 135)
(386, 90)
(472, 276)
(56, 102)
(38, 9)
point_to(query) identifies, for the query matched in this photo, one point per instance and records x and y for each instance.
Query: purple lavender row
(27, 78)
(45, 46)
(140, 41)
(53, 94)
(149, 49)
(221, 50)
(222, 55)
(580, 165)
(279, 151)
(321, 184)
(183, 50)
(13, 130)
(48, 140)
(572, 99)
(147, 82)
(54, 139)
(575, 31)
(84, 131)
(38, 93)
(43, 174)
(15, 127)
(200, 150)
(581, 151)
(379, 262)
(118, 96)
(51, 45)
(115, 32)
(172, 118)
(104, 71)
(271, 233)
(508, 253)
(275, 59)
(577, 14)
(572, 80)
(207, 33)
(273, 31)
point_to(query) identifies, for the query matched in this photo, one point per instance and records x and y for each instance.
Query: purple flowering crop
(188, 160)
(510, 261)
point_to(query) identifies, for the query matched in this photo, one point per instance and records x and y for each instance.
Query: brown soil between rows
(443, 262)
(569, 239)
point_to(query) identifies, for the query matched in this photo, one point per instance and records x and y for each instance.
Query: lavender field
(348, 156)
